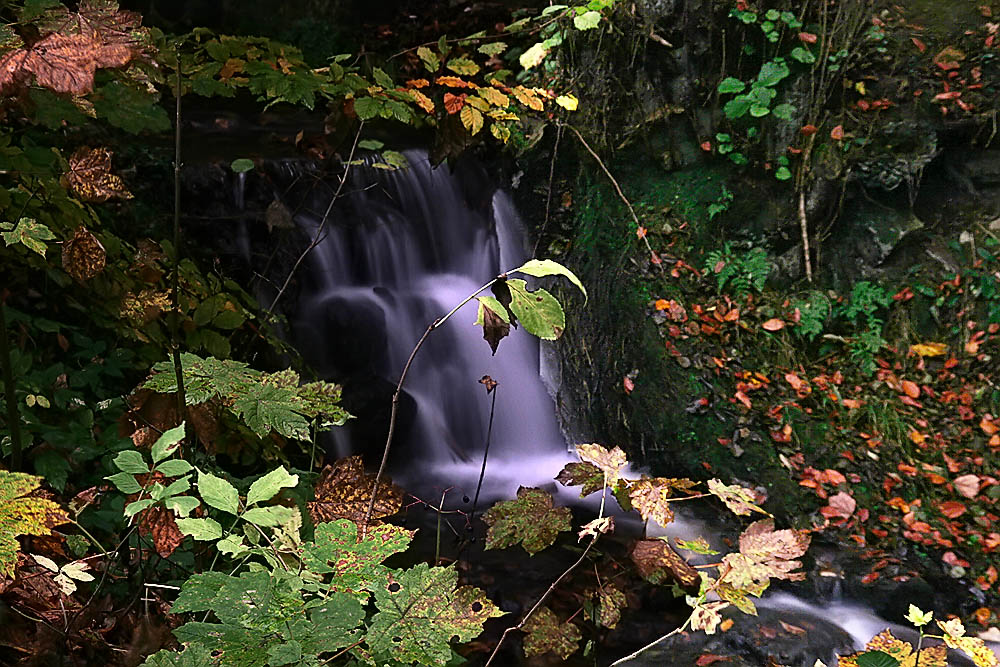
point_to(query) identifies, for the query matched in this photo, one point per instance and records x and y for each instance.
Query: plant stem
(552, 586)
(175, 288)
(10, 397)
(486, 454)
(395, 401)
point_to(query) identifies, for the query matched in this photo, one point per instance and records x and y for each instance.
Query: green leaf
(268, 486)
(232, 545)
(783, 111)
(463, 67)
(876, 659)
(530, 520)
(200, 529)
(803, 55)
(167, 443)
(546, 634)
(758, 111)
(174, 467)
(181, 505)
(356, 566)
(268, 516)
(134, 508)
(241, 165)
(218, 493)
(918, 617)
(539, 312)
(124, 482)
(371, 144)
(738, 499)
(419, 612)
(492, 49)
(382, 79)
(30, 234)
(284, 654)
(430, 59)
(194, 655)
(587, 20)
(266, 407)
(130, 108)
(772, 73)
(131, 461)
(731, 85)
(546, 267)
(737, 107)
(783, 173)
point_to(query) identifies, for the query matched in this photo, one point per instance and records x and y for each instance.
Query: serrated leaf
(344, 491)
(430, 59)
(463, 66)
(30, 234)
(167, 443)
(131, 461)
(367, 107)
(124, 482)
(77, 570)
(218, 493)
(22, 516)
(492, 49)
(698, 545)
(46, 562)
(382, 79)
(610, 602)
(658, 563)
(539, 312)
(181, 505)
(650, 497)
(134, 508)
(268, 486)
(530, 520)
(706, 616)
(268, 516)
(472, 118)
(174, 468)
(356, 566)
(546, 634)
(765, 554)
(193, 655)
(584, 474)
(738, 499)
(419, 612)
(266, 407)
(232, 545)
(610, 462)
(200, 529)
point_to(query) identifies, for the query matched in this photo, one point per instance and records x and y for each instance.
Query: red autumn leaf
(640, 233)
(951, 95)
(628, 384)
(773, 324)
(952, 509)
(719, 266)
(834, 477)
(706, 146)
(808, 130)
(709, 658)
(744, 399)
(655, 259)
(911, 389)
(837, 133)
(807, 37)
(949, 58)
(840, 505)
(919, 44)
(453, 103)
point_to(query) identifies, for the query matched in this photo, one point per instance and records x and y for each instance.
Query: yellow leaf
(534, 55)
(501, 132)
(494, 97)
(929, 349)
(528, 98)
(568, 102)
(472, 119)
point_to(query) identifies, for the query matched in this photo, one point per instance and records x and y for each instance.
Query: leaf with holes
(610, 462)
(90, 176)
(356, 564)
(29, 233)
(650, 496)
(530, 520)
(547, 635)
(582, 474)
(420, 610)
(546, 267)
(23, 516)
(344, 491)
(83, 256)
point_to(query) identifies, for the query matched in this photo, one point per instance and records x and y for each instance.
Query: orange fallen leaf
(983, 615)
(773, 324)
(929, 349)
(709, 658)
(837, 133)
(628, 384)
(952, 509)
(662, 304)
(911, 389)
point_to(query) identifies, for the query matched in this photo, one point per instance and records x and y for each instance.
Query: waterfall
(401, 249)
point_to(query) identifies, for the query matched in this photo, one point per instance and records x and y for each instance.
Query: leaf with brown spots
(650, 496)
(83, 256)
(610, 462)
(608, 605)
(547, 635)
(90, 176)
(582, 474)
(738, 499)
(657, 562)
(21, 515)
(934, 656)
(344, 491)
(765, 554)
(159, 524)
(531, 519)
(63, 63)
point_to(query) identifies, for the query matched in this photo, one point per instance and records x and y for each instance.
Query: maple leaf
(83, 256)
(650, 496)
(64, 63)
(885, 642)
(23, 516)
(531, 520)
(344, 491)
(610, 462)
(597, 526)
(658, 562)
(90, 176)
(356, 564)
(765, 554)
(608, 606)
(419, 612)
(738, 499)
(582, 474)
(547, 635)
(975, 648)
(29, 233)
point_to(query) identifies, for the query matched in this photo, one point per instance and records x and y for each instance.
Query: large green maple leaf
(531, 520)
(419, 612)
(356, 565)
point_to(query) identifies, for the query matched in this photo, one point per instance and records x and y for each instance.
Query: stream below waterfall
(398, 250)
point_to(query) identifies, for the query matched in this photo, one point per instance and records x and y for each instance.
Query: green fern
(738, 272)
(814, 309)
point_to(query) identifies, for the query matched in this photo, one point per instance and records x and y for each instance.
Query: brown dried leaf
(706, 616)
(83, 256)
(738, 499)
(658, 562)
(582, 474)
(64, 63)
(546, 634)
(765, 554)
(650, 496)
(610, 462)
(344, 491)
(158, 523)
(90, 176)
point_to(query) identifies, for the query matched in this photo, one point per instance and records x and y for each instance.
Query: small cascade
(401, 249)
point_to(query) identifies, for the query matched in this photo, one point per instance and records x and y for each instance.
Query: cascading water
(399, 250)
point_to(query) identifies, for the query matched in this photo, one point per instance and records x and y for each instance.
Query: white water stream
(401, 250)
